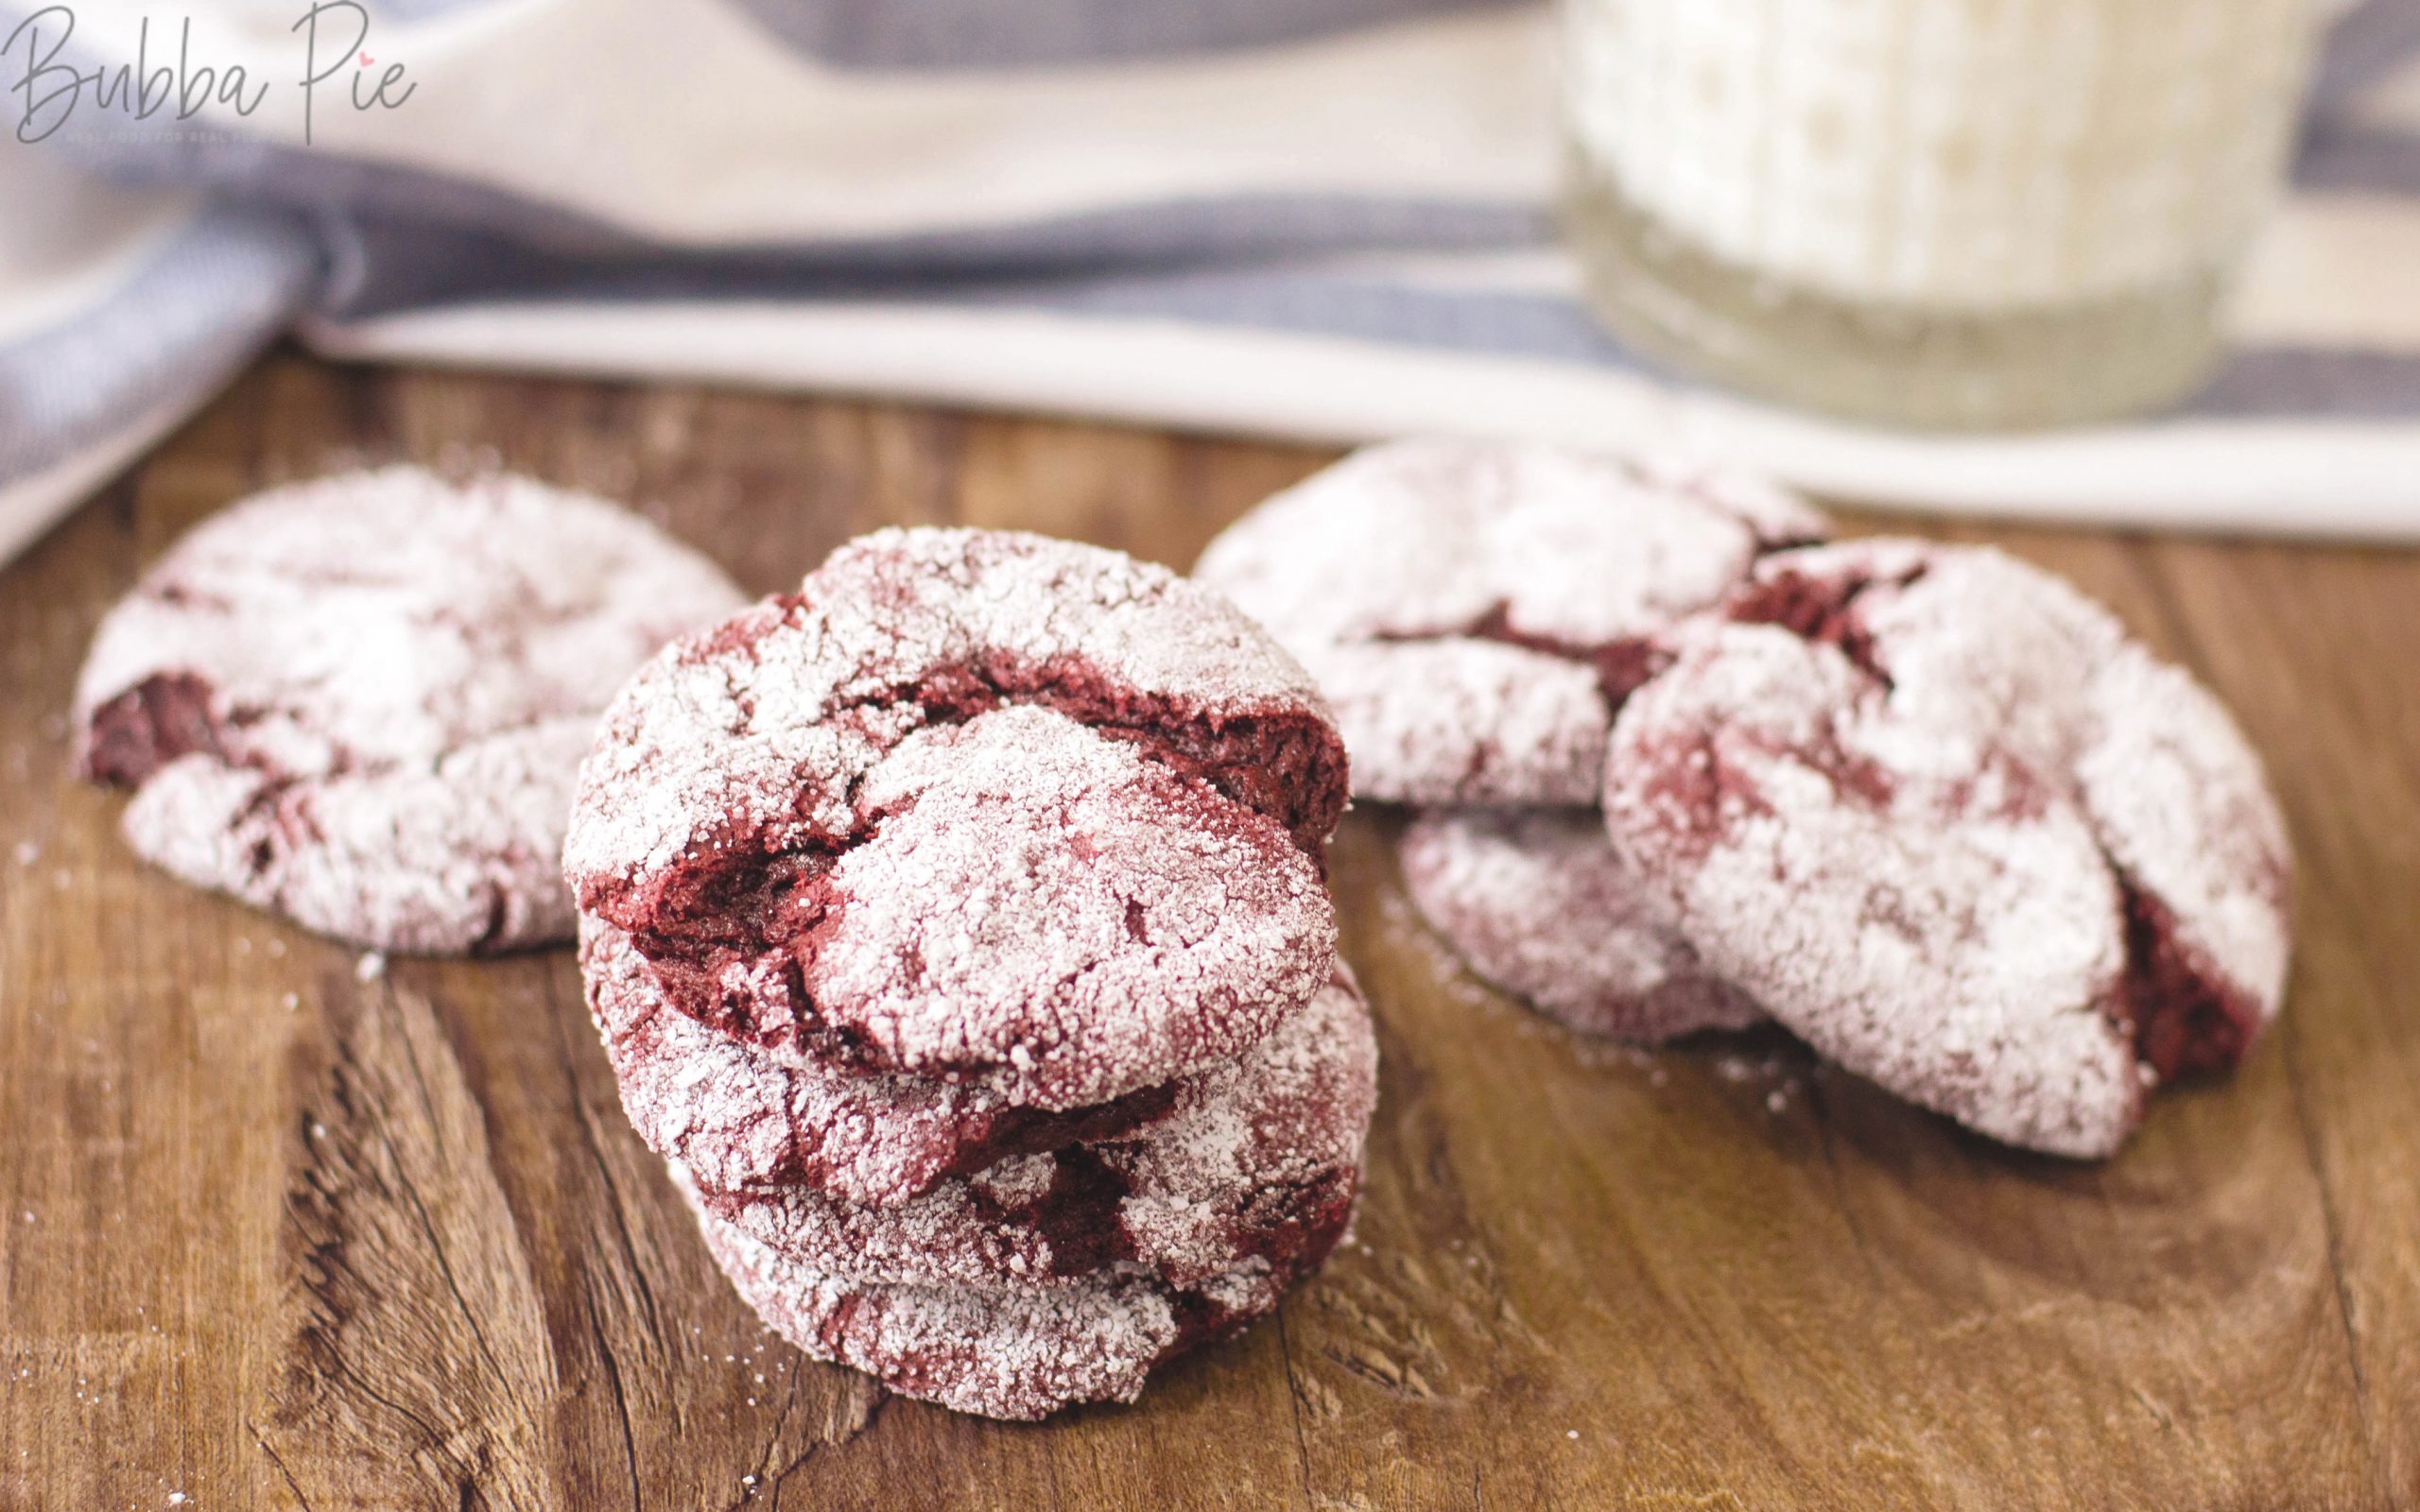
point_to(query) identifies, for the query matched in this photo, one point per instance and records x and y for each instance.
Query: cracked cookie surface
(1950, 823)
(741, 1119)
(1252, 1161)
(361, 701)
(1476, 610)
(975, 806)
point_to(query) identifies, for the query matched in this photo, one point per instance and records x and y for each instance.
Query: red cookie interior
(1946, 820)
(1254, 1161)
(360, 702)
(1108, 717)
(1476, 610)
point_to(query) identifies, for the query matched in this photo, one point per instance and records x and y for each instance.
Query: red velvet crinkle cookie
(1946, 821)
(973, 805)
(743, 1119)
(361, 702)
(1013, 1354)
(1259, 1158)
(1475, 611)
(1538, 901)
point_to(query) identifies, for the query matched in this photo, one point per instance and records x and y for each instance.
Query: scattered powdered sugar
(360, 702)
(1517, 585)
(1538, 901)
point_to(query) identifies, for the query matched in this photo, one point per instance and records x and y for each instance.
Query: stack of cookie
(959, 932)
(1681, 766)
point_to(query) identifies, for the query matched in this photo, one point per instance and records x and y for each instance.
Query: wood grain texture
(279, 1235)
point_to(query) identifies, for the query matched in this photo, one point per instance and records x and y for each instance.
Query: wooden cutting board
(276, 1235)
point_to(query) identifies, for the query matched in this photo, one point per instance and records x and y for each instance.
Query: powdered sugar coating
(1919, 910)
(1476, 609)
(1538, 901)
(1049, 906)
(743, 1119)
(1950, 824)
(1464, 720)
(1973, 642)
(448, 861)
(1257, 1159)
(973, 804)
(361, 701)
(1019, 1355)
(2183, 812)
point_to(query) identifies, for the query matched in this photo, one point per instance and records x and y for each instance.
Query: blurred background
(2140, 261)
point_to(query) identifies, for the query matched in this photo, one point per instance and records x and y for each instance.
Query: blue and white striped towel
(1315, 218)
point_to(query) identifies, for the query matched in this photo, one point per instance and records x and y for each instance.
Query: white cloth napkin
(1325, 219)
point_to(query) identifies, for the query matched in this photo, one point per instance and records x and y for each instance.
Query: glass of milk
(1937, 212)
